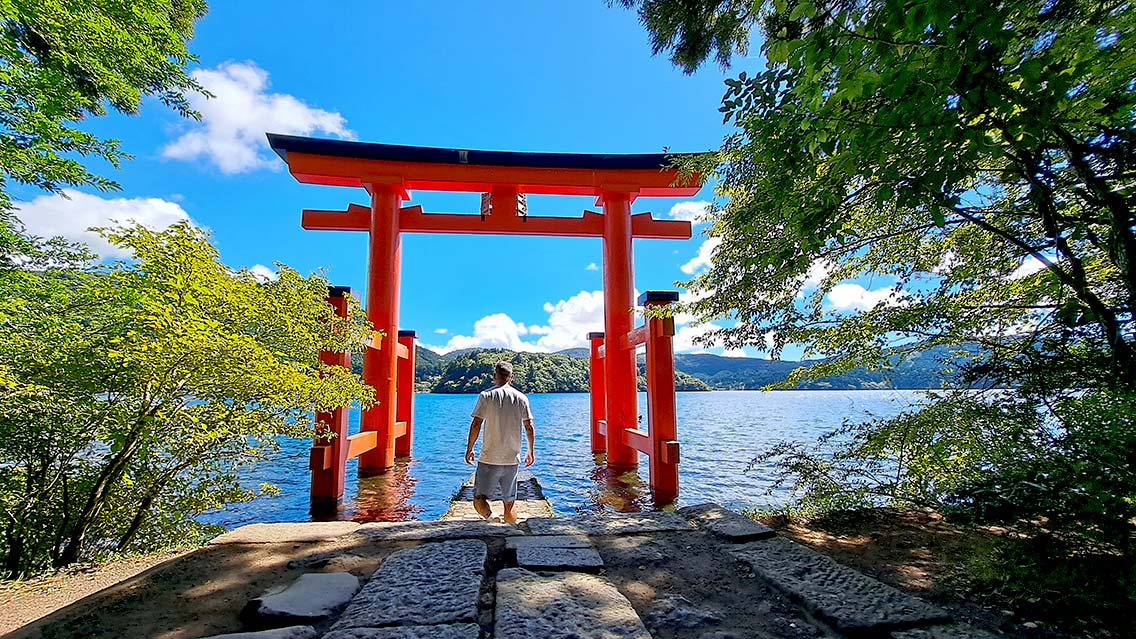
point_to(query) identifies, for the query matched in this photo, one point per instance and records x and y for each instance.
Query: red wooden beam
(639, 440)
(601, 426)
(634, 338)
(376, 342)
(412, 219)
(348, 171)
(356, 218)
(360, 443)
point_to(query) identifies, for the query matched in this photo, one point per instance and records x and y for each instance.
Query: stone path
(460, 579)
(530, 501)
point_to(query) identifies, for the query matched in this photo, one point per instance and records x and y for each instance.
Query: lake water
(720, 432)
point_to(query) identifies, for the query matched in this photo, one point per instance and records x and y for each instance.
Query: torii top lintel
(343, 163)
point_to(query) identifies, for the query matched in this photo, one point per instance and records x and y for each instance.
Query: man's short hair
(503, 369)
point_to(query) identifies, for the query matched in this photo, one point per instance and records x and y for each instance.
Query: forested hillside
(470, 371)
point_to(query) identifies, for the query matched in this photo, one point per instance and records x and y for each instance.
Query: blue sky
(532, 76)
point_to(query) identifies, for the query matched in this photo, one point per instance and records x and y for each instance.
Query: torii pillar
(380, 365)
(620, 372)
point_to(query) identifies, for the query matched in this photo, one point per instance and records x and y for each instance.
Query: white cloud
(734, 352)
(591, 267)
(704, 259)
(441, 331)
(947, 263)
(849, 297)
(233, 122)
(492, 331)
(570, 320)
(264, 273)
(1028, 267)
(818, 271)
(685, 336)
(71, 213)
(691, 211)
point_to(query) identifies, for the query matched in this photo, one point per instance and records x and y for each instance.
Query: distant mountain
(470, 370)
(920, 371)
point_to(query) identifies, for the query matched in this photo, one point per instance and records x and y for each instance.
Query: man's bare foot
(510, 516)
(481, 505)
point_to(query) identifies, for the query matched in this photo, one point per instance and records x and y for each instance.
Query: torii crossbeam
(389, 173)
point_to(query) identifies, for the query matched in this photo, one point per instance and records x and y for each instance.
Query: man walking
(502, 410)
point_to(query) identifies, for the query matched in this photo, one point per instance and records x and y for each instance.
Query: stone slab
(523, 509)
(292, 632)
(289, 532)
(959, 631)
(610, 524)
(447, 631)
(567, 605)
(726, 524)
(553, 558)
(847, 599)
(312, 597)
(431, 584)
(435, 530)
(547, 541)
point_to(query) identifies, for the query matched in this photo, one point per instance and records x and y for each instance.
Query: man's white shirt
(503, 410)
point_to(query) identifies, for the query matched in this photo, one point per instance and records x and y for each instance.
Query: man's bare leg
(481, 505)
(510, 516)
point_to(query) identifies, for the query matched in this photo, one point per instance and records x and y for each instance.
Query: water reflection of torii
(389, 173)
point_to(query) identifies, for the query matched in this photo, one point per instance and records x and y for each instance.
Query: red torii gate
(389, 173)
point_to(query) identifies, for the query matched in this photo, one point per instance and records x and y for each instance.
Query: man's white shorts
(491, 478)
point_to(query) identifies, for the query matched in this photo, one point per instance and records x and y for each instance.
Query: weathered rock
(448, 631)
(311, 598)
(847, 599)
(547, 541)
(435, 530)
(275, 533)
(959, 631)
(676, 611)
(293, 632)
(562, 606)
(610, 524)
(554, 558)
(430, 584)
(725, 523)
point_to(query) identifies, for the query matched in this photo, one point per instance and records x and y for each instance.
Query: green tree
(62, 61)
(131, 395)
(976, 160)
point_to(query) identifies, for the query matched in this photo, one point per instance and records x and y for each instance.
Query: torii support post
(405, 409)
(620, 380)
(661, 398)
(380, 362)
(596, 388)
(329, 448)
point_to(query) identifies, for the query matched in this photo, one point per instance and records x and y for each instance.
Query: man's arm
(474, 431)
(530, 432)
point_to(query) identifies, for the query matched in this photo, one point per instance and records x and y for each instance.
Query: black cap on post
(413, 334)
(340, 291)
(658, 297)
(596, 335)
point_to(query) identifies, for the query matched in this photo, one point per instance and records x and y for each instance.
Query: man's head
(502, 373)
